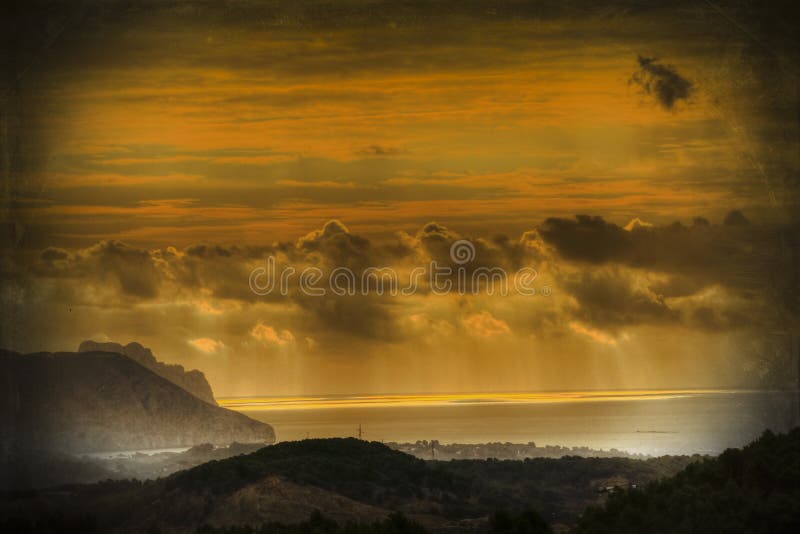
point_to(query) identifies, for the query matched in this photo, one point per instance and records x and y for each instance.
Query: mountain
(105, 401)
(192, 381)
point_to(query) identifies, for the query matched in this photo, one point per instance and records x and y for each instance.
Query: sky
(640, 159)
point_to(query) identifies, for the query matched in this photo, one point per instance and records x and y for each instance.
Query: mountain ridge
(193, 381)
(84, 402)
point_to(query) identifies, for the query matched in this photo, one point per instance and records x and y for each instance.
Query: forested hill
(754, 489)
(347, 480)
(340, 482)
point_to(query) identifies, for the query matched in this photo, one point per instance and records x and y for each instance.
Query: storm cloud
(733, 254)
(662, 82)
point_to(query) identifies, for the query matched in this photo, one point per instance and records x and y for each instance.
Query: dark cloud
(724, 318)
(706, 318)
(434, 241)
(379, 151)
(54, 254)
(617, 277)
(661, 82)
(132, 270)
(373, 315)
(736, 218)
(609, 299)
(206, 251)
(733, 255)
(110, 272)
(708, 276)
(678, 285)
(335, 246)
(586, 238)
(364, 316)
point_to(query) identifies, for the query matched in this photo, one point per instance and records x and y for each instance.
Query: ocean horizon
(650, 422)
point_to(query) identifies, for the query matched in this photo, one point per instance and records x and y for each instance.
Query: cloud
(611, 298)
(706, 317)
(51, 254)
(587, 238)
(615, 276)
(485, 325)
(422, 109)
(434, 241)
(268, 334)
(379, 151)
(637, 223)
(595, 335)
(661, 82)
(607, 282)
(707, 253)
(335, 244)
(131, 269)
(207, 345)
(736, 218)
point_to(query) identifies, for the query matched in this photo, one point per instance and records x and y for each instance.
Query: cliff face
(192, 381)
(102, 401)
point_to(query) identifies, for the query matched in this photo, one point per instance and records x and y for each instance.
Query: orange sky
(171, 127)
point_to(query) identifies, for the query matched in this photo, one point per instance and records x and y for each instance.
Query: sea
(640, 422)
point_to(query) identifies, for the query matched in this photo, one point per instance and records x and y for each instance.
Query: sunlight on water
(443, 399)
(646, 422)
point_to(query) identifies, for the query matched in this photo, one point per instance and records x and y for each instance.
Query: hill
(101, 401)
(192, 381)
(754, 489)
(346, 480)
(365, 485)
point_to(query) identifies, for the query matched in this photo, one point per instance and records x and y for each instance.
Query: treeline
(364, 471)
(428, 450)
(560, 489)
(318, 524)
(755, 489)
(501, 522)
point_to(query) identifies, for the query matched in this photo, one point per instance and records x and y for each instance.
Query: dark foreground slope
(755, 489)
(350, 481)
(347, 480)
(97, 401)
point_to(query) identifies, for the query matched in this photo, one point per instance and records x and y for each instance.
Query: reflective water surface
(647, 422)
